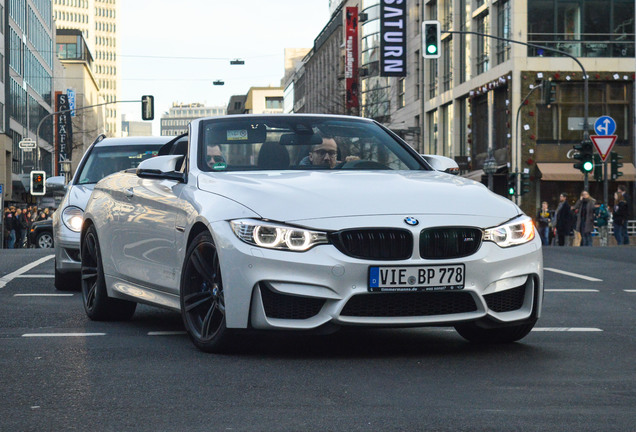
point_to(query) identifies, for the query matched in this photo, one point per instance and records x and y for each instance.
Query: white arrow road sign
(603, 144)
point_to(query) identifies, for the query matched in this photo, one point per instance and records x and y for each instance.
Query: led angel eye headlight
(274, 236)
(513, 233)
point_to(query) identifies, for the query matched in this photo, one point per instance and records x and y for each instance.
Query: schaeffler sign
(351, 57)
(63, 129)
(393, 38)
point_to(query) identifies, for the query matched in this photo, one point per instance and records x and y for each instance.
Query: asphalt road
(576, 371)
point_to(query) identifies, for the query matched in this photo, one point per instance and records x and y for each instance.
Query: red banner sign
(351, 58)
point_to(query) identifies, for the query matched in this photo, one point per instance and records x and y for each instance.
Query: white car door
(148, 234)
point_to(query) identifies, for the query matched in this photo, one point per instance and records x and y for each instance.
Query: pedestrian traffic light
(548, 92)
(598, 168)
(512, 184)
(431, 33)
(614, 161)
(38, 183)
(524, 187)
(585, 154)
(147, 107)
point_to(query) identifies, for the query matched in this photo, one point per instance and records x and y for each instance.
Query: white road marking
(566, 329)
(588, 278)
(4, 280)
(630, 291)
(572, 290)
(62, 334)
(166, 333)
(43, 295)
(34, 276)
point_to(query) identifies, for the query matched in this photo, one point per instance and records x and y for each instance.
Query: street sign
(603, 144)
(605, 126)
(70, 94)
(27, 144)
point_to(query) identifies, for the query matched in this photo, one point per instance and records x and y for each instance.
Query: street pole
(37, 131)
(518, 137)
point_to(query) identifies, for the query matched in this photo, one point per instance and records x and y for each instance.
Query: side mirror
(442, 163)
(56, 182)
(161, 167)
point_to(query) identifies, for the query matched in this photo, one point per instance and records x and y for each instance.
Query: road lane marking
(630, 291)
(62, 334)
(34, 276)
(566, 329)
(572, 290)
(43, 295)
(4, 280)
(166, 333)
(588, 278)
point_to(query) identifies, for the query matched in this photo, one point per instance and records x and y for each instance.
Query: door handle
(129, 192)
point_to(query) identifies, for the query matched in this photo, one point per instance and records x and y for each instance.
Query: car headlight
(275, 236)
(73, 218)
(512, 233)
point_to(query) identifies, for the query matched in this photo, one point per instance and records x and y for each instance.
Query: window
(503, 30)
(447, 51)
(401, 91)
(272, 102)
(482, 59)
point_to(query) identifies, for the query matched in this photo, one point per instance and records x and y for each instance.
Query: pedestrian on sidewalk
(619, 218)
(601, 220)
(584, 209)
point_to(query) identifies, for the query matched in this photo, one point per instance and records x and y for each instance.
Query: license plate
(417, 278)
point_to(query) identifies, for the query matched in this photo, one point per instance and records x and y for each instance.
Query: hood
(78, 195)
(288, 196)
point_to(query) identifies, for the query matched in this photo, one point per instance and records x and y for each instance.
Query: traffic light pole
(586, 134)
(518, 134)
(37, 131)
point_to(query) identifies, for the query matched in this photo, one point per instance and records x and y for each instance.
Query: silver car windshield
(104, 161)
(299, 143)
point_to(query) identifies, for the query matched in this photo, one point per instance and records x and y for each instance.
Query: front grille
(374, 243)
(285, 306)
(409, 304)
(445, 243)
(506, 301)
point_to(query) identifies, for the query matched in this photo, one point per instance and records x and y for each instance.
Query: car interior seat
(274, 156)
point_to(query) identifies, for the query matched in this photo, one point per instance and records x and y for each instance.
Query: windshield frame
(94, 150)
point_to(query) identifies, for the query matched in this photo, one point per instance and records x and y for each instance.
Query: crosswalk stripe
(575, 275)
(572, 290)
(62, 334)
(566, 329)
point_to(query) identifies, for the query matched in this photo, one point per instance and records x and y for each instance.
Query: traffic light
(614, 161)
(598, 168)
(585, 154)
(38, 182)
(548, 92)
(147, 107)
(431, 32)
(512, 183)
(525, 183)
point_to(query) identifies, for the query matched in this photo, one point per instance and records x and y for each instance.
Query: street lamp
(490, 167)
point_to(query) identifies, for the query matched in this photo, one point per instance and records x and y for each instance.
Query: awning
(567, 172)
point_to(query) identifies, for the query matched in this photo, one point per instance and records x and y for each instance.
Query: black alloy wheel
(202, 296)
(97, 304)
(44, 240)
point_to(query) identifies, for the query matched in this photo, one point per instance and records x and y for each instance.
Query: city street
(574, 372)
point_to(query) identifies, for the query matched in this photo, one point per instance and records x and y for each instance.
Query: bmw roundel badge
(411, 221)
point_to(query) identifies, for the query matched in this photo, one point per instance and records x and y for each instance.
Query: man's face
(585, 195)
(214, 155)
(325, 153)
(561, 198)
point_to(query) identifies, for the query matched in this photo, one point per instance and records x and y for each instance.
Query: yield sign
(603, 144)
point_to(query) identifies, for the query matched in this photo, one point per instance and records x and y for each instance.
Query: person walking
(601, 220)
(544, 219)
(9, 227)
(584, 210)
(623, 226)
(563, 219)
(619, 218)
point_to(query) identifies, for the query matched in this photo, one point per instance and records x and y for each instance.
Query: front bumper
(67, 250)
(269, 289)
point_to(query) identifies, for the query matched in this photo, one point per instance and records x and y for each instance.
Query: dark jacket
(584, 209)
(564, 218)
(620, 213)
(544, 219)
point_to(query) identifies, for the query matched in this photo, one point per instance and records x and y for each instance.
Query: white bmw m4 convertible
(306, 222)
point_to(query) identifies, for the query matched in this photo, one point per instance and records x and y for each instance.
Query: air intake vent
(285, 306)
(508, 300)
(445, 243)
(409, 304)
(374, 243)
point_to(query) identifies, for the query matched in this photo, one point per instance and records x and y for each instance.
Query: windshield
(104, 161)
(300, 143)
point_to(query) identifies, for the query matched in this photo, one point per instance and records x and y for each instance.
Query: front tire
(473, 333)
(97, 304)
(202, 296)
(44, 240)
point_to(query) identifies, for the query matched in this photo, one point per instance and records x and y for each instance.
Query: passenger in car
(214, 155)
(324, 154)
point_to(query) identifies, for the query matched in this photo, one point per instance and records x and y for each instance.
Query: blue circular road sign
(605, 125)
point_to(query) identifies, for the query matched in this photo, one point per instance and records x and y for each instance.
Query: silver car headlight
(513, 233)
(276, 236)
(73, 217)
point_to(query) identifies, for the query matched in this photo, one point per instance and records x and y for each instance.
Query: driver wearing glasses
(323, 154)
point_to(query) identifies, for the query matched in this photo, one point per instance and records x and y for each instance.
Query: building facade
(264, 100)
(175, 121)
(27, 62)
(98, 22)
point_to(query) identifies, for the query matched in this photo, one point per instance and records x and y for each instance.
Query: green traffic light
(431, 49)
(511, 191)
(588, 166)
